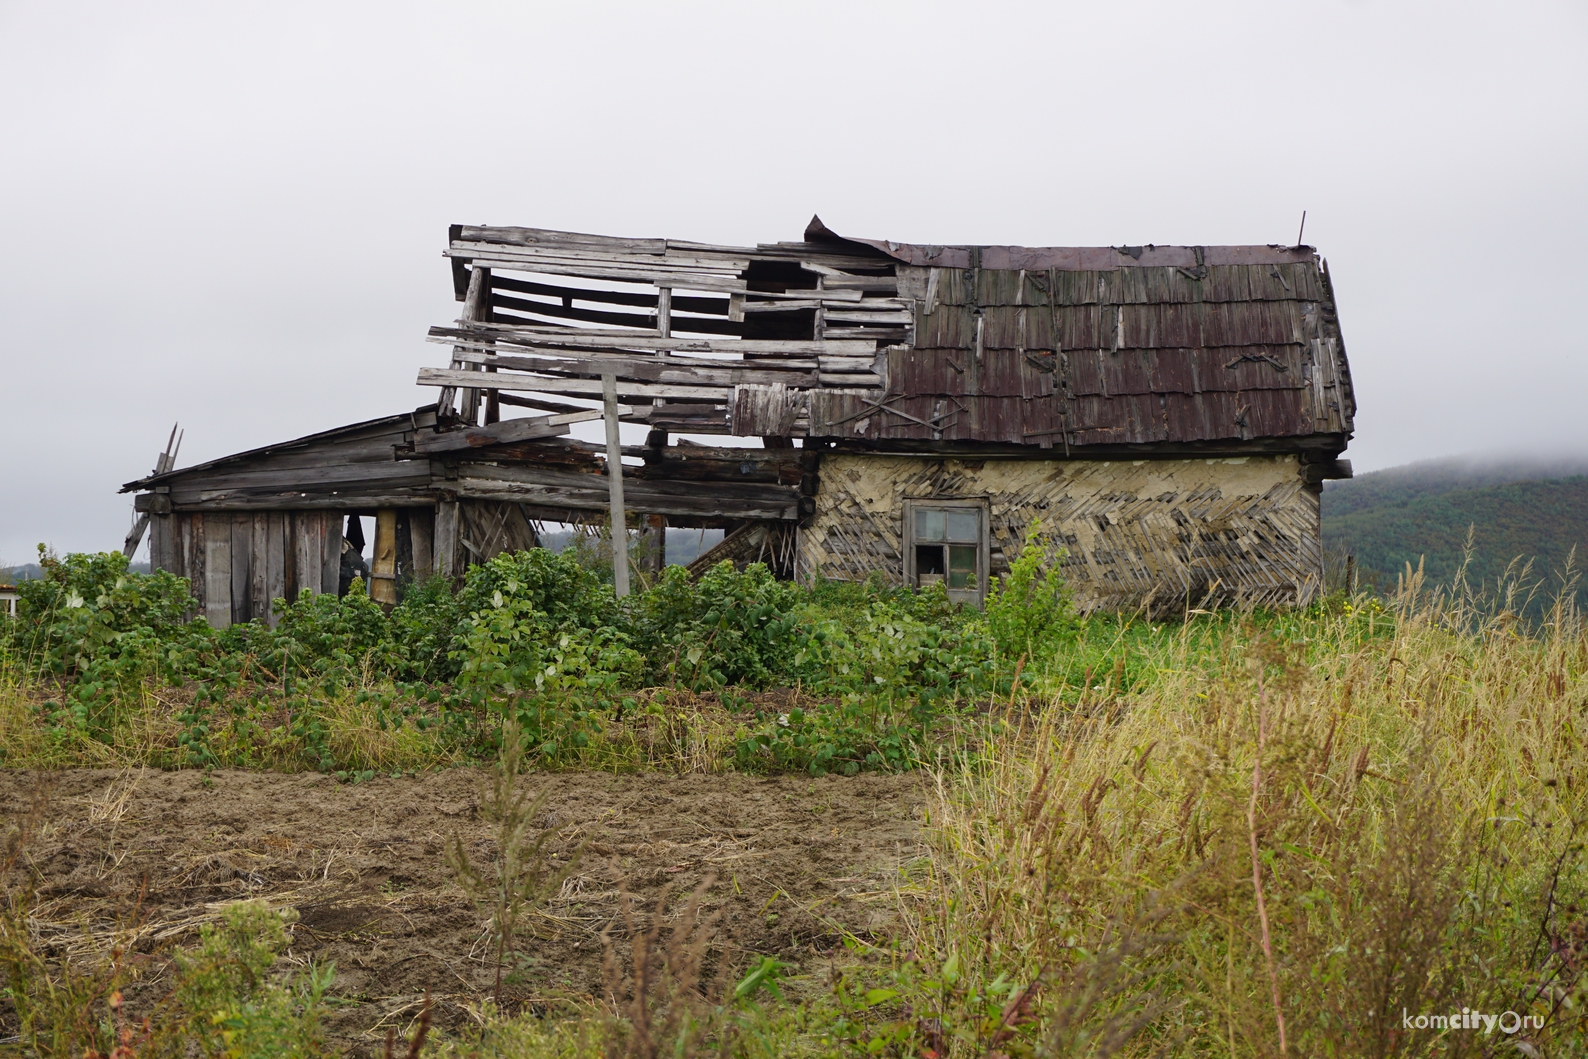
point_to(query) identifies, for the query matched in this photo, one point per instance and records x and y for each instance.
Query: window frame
(983, 543)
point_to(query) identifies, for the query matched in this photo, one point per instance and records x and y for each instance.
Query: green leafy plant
(1029, 610)
(233, 1003)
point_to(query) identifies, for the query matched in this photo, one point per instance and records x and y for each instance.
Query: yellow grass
(1423, 783)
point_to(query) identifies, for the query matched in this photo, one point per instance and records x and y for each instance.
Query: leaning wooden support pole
(620, 533)
(129, 547)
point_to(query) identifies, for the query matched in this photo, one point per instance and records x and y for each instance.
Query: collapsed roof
(903, 345)
(846, 343)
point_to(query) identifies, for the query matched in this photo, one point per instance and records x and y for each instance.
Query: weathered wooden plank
(446, 539)
(323, 481)
(258, 566)
(180, 552)
(544, 406)
(421, 532)
(762, 299)
(135, 537)
(835, 280)
(672, 500)
(513, 430)
(681, 279)
(305, 501)
(535, 384)
(876, 334)
(603, 339)
(383, 565)
(815, 258)
(331, 553)
(218, 571)
(197, 562)
(375, 461)
(242, 527)
(277, 526)
(392, 475)
(867, 316)
(474, 309)
(839, 364)
(159, 540)
(520, 236)
(781, 306)
(664, 311)
(619, 522)
(493, 352)
(661, 368)
(616, 258)
(308, 533)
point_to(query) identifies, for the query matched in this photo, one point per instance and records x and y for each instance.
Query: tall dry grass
(1292, 836)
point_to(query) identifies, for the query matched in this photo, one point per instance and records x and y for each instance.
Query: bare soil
(796, 860)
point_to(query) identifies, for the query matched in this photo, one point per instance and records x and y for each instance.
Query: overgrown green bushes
(108, 658)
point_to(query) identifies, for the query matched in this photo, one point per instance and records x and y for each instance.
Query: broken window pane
(929, 563)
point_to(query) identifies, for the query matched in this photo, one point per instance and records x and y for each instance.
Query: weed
(664, 1003)
(520, 875)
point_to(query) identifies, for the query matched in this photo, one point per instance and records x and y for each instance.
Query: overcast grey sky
(232, 215)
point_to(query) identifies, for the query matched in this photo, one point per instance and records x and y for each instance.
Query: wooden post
(620, 531)
(446, 540)
(664, 311)
(474, 308)
(421, 530)
(664, 328)
(493, 402)
(383, 571)
(655, 544)
(218, 570)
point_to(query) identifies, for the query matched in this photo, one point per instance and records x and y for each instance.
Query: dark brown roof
(1087, 346)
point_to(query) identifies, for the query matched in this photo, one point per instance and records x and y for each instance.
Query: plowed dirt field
(796, 860)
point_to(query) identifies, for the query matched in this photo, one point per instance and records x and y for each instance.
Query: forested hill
(1516, 508)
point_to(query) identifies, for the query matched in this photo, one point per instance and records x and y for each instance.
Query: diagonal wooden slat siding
(1164, 534)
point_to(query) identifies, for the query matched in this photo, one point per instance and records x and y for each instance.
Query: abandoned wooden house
(1165, 414)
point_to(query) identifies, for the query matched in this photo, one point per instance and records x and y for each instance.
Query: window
(946, 543)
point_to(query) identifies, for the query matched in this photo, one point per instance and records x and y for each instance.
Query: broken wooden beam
(427, 442)
(639, 368)
(446, 377)
(594, 339)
